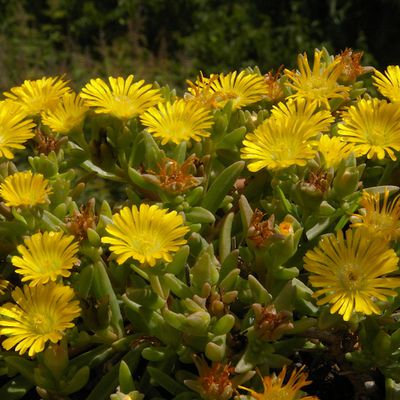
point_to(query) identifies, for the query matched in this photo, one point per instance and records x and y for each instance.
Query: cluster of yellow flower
(315, 117)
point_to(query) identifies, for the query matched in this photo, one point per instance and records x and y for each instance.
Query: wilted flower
(80, 221)
(175, 178)
(351, 67)
(274, 87)
(269, 324)
(215, 382)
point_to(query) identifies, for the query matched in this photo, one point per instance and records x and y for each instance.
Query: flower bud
(45, 165)
(346, 183)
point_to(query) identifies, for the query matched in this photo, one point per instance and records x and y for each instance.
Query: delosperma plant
(239, 241)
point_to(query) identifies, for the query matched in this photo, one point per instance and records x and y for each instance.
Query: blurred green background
(170, 41)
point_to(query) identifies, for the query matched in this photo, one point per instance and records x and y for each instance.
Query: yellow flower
(383, 221)
(40, 95)
(287, 138)
(24, 189)
(388, 84)
(349, 272)
(320, 83)
(124, 99)
(243, 88)
(305, 113)
(14, 129)
(146, 234)
(41, 314)
(275, 389)
(285, 228)
(374, 128)
(67, 115)
(178, 121)
(46, 257)
(333, 150)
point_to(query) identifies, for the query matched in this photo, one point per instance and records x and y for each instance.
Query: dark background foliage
(172, 40)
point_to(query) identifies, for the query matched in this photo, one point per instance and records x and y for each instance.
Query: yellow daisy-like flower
(305, 113)
(15, 130)
(388, 84)
(374, 128)
(178, 121)
(24, 189)
(379, 220)
(40, 95)
(45, 257)
(276, 389)
(350, 272)
(320, 83)
(146, 234)
(41, 314)
(122, 98)
(243, 88)
(67, 115)
(287, 138)
(333, 150)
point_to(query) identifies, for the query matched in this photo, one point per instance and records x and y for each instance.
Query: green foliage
(171, 40)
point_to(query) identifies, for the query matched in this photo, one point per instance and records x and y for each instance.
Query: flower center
(351, 278)
(29, 198)
(381, 221)
(282, 393)
(317, 85)
(285, 149)
(50, 264)
(178, 129)
(376, 134)
(36, 105)
(148, 243)
(123, 106)
(41, 323)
